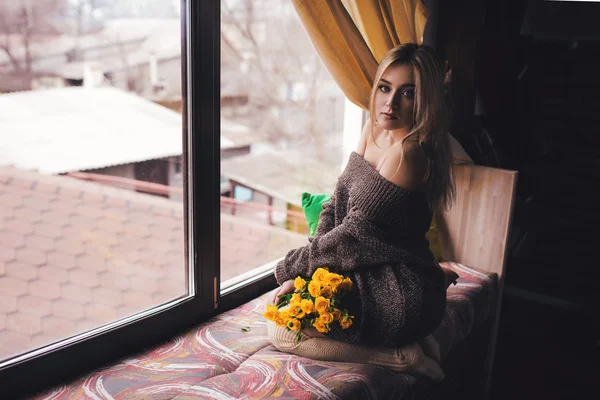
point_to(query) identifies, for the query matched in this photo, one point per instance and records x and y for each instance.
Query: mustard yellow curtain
(352, 36)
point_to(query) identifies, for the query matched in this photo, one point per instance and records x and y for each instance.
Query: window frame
(26, 376)
(200, 28)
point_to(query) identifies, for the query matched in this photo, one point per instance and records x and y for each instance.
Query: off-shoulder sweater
(374, 232)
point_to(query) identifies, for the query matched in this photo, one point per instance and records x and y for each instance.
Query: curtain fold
(340, 46)
(352, 36)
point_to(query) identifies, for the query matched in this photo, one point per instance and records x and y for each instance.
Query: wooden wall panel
(475, 230)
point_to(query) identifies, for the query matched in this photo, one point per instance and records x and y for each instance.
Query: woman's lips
(389, 116)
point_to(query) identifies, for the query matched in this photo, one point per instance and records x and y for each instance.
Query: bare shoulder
(405, 165)
(362, 143)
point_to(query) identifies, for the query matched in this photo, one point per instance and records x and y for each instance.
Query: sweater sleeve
(355, 243)
(327, 217)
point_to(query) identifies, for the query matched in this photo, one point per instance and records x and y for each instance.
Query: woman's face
(395, 97)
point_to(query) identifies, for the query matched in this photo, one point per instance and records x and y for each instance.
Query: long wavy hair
(430, 115)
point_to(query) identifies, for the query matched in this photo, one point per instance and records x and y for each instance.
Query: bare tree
(266, 36)
(22, 22)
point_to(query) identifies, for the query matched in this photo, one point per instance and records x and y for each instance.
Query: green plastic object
(312, 204)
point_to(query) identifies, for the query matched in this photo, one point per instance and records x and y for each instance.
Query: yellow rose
(282, 319)
(272, 312)
(320, 274)
(333, 279)
(322, 304)
(346, 285)
(296, 299)
(326, 292)
(346, 322)
(296, 311)
(326, 318)
(337, 314)
(307, 306)
(321, 327)
(294, 324)
(299, 283)
(314, 288)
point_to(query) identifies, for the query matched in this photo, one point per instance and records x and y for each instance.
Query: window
(100, 243)
(284, 135)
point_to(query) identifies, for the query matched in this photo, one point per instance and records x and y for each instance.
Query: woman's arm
(327, 217)
(355, 243)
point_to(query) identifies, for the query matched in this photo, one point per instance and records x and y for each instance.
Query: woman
(373, 229)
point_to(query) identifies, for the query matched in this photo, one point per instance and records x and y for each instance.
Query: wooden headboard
(474, 232)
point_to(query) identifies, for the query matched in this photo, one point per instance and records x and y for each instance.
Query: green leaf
(283, 304)
(246, 329)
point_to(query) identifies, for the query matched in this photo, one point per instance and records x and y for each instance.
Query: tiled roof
(75, 255)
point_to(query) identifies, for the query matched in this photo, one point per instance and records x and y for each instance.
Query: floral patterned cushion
(220, 360)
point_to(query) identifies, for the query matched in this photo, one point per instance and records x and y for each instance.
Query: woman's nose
(391, 104)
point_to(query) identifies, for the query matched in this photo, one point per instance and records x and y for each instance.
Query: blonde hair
(430, 118)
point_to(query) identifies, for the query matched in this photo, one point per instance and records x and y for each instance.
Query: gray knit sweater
(374, 232)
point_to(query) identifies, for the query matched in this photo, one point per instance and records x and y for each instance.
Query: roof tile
(116, 280)
(52, 273)
(13, 286)
(24, 323)
(64, 207)
(39, 242)
(61, 260)
(84, 278)
(11, 199)
(43, 187)
(13, 343)
(34, 305)
(70, 246)
(8, 303)
(95, 199)
(92, 211)
(57, 327)
(68, 309)
(69, 193)
(38, 203)
(31, 256)
(49, 230)
(22, 183)
(100, 312)
(108, 296)
(75, 292)
(12, 239)
(18, 226)
(136, 298)
(6, 211)
(46, 289)
(21, 270)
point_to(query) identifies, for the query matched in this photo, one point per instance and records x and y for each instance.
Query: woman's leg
(409, 358)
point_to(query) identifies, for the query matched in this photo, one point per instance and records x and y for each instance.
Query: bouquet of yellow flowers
(315, 302)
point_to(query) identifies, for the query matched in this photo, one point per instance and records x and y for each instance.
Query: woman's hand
(285, 288)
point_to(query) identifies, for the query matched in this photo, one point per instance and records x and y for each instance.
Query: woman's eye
(409, 93)
(384, 88)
